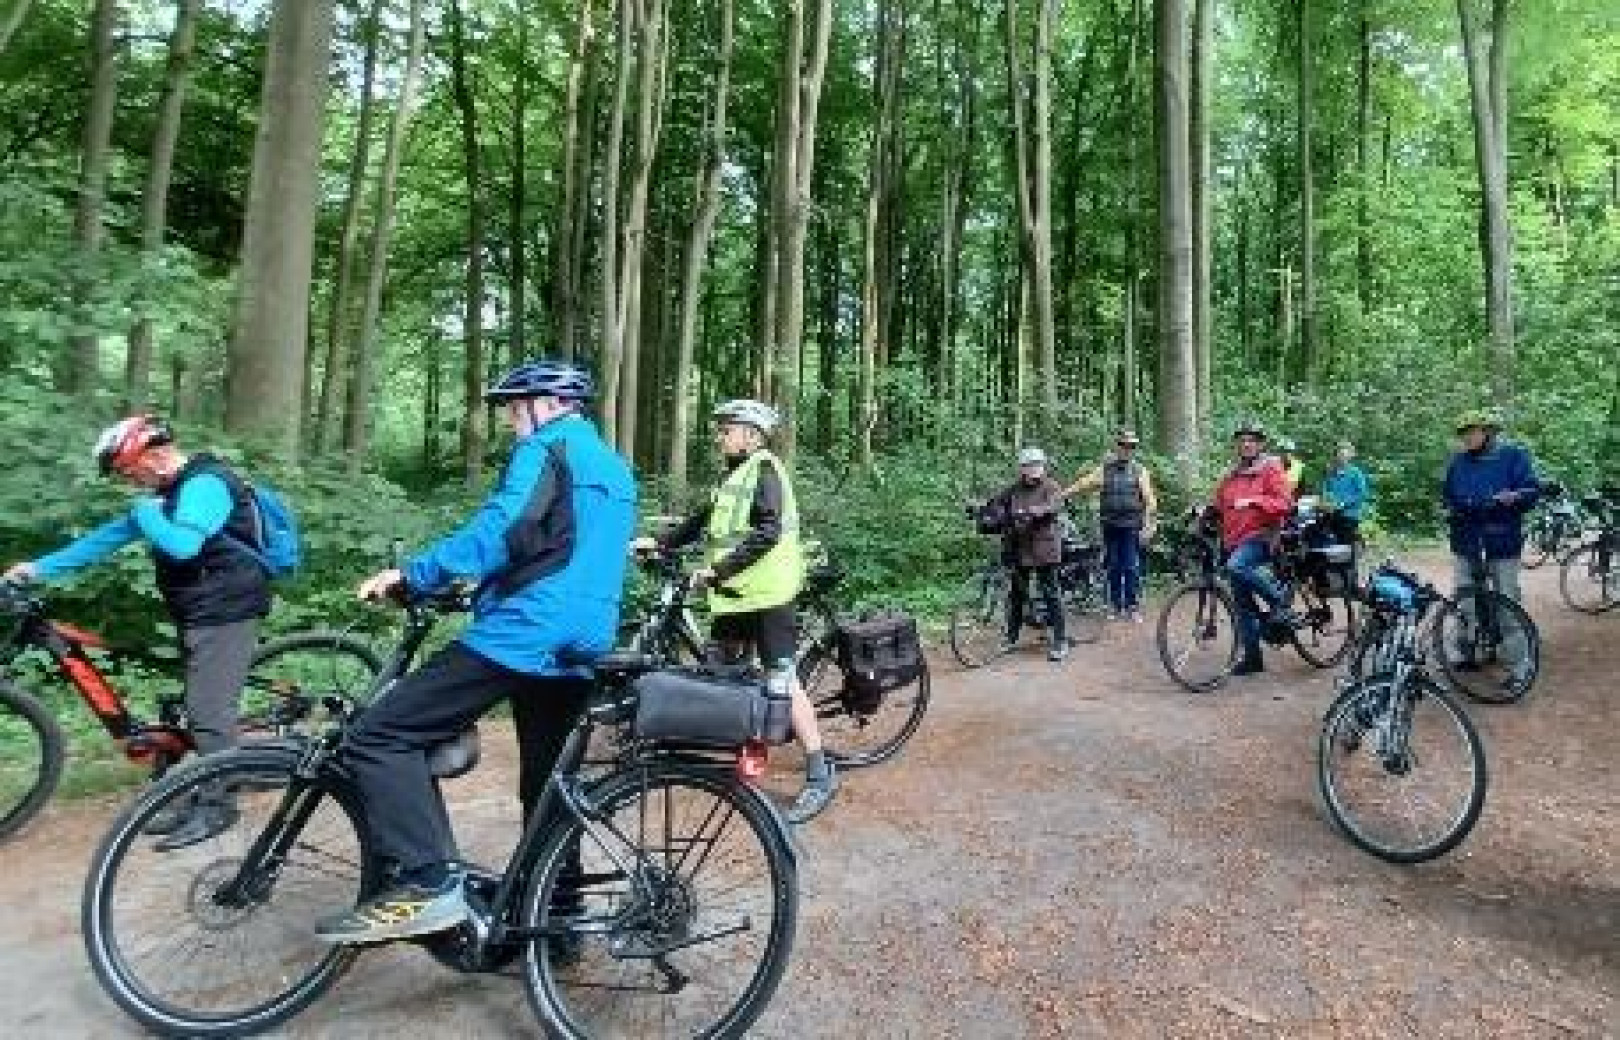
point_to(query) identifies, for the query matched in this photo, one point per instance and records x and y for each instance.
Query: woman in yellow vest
(753, 569)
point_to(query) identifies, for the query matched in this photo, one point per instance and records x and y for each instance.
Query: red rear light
(751, 759)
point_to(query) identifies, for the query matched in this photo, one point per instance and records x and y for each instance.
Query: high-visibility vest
(775, 578)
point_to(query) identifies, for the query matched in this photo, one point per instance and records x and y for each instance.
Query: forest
(311, 232)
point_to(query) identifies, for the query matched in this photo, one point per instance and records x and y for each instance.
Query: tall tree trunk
(335, 374)
(1363, 159)
(432, 396)
(155, 198)
(1487, 88)
(1203, 192)
(474, 368)
(264, 372)
(697, 256)
(652, 49)
(357, 418)
(518, 219)
(1032, 130)
(612, 343)
(804, 67)
(1310, 349)
(79, 369)
(11, 21)
(1178, 407)
(568, 238)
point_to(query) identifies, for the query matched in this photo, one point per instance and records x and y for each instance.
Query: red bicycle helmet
(122, 443)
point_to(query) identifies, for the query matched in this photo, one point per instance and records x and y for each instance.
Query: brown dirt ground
(1081, 851)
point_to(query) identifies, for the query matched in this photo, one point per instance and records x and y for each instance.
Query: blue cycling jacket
(1477, 520)
(548, 547)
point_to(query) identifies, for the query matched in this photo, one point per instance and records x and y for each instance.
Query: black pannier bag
(877, 653)
(991, 517)
(705, 709)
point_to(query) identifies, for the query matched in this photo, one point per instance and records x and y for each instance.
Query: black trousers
(1046, 579)
(387, 748)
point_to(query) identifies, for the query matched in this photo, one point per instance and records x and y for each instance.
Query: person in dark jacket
(1490, 485)
(1127, 511)
(1031, 508)
(548, 550)
(200, 522)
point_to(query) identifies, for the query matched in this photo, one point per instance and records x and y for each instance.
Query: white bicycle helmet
(757, 414)
(1032, 457)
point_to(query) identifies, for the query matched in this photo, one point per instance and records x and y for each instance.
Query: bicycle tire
(1324, 642)
(1584, 557)
(978, 618)
(1214, 600)
(265, 684)
(257, 768)
(27, 780)
(1479, 680)
(1344, 736)
(625, 791)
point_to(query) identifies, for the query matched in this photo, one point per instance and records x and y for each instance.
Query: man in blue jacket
(548, 549)
(200, 520)
(1490, 485)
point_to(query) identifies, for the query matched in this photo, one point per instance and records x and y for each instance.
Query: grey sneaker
(814, 799)
(1058, 653)
(400, 913)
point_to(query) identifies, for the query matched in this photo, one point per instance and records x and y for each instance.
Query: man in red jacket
(1253, 500)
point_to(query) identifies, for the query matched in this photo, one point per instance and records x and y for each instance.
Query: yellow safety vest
(775, 578)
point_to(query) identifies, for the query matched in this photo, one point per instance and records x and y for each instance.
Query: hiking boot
(400, 913)
(200, 822)
(816, 796)
(1058, 653)
(1008, 645)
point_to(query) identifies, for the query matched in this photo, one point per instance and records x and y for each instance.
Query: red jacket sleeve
(1274, 499)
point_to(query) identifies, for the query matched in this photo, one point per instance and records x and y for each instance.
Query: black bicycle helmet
(560, 379)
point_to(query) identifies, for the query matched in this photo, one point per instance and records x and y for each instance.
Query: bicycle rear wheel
(1198, 637)
(692, 939)
(31, 753)
(218, 939)
(292, 675)
(979, 619)
(1401, 771)
(1329, 626)
(1589, 578)
(1489, 649)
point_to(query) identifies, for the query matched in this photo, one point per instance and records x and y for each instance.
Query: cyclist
(200, 521)
(1032, 510)
(1252, 501)
(1128, 512)
(1293, 467)
(548, 550)
(1490, 485)
(754, 569)
(1348, 491)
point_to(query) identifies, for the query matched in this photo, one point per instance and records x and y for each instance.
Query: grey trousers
(1504, 574)
(218, 658)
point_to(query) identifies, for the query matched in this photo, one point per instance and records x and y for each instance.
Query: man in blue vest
(200, 521)
(548, 549)
(754, 568)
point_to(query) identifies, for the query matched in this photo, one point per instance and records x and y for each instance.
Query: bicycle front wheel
(218, 938)
(1489, 649)
(1198, 637)
(293, 675)
(673, 917)
(1401, 769)
(31, 753)
(979, 619)
(1589, 578)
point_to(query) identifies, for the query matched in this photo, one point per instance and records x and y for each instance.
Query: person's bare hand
(380, 585)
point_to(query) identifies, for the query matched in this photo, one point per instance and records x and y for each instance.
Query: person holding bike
(754, 569)
(548, 551)
(1348, 493)
(1252, 501)
(1489, 486)
(1127, 511)
(200, 521)
(1030, 511)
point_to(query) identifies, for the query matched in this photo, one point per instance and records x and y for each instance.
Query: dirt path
(1089, 852)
